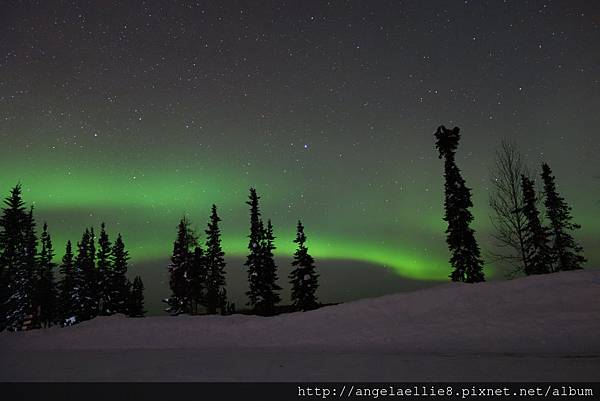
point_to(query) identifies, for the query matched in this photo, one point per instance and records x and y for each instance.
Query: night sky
(135, 113)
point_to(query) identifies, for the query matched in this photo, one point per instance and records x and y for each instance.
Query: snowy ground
(534, 328)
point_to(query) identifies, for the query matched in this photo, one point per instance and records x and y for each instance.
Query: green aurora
(146, 208)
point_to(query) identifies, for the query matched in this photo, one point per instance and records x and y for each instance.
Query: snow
(534, 328)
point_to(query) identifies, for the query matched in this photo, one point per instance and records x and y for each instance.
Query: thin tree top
(300, 237)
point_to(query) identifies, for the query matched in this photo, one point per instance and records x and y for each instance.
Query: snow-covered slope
(549, 322)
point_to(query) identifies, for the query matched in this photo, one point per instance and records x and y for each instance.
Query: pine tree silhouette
(117, 294)
(536, 237)
(196, 281)
(254, 260)
(268, 288)
(84, 297)
(31, 271)
(91, 276)
(181, 260)
(303, 278)
(103, 271)
(215, 265)
(565, 251)
(46, 291)
(466, 258)
(135, 304)
(66, 286)
(15, 273)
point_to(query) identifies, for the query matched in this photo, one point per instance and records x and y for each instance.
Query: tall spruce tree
(66, 286)
(268, 288)
(84, 297)
(465, 254)
(536, 238)
(92, 279)
(31, 245)
(196, 281)
(117, 287)
(135, 304)
(565, 251)
(103, 264)
(303, 277)
(15, 273)
(254, 259)
(181, 260)
(46, 291)
(215, 265)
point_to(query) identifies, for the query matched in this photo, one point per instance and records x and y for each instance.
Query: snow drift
(530, 328)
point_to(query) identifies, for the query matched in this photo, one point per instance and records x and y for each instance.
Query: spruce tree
(84, 299)
(196, 281)
(46, 291)
(103, 263)
(268, 288)
(536, 238)
(465, 254)
(135, 304)
(117, 293)
(66, 286)
(565, 251)
(254, 258)
(31, 263)
(15, 273)
(92, 279)
(179, 268)
(215, 265)
(303, 278)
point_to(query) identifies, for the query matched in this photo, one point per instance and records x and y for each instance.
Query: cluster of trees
(534, 242)
(537, 248)
(91, 282)
(197, 274)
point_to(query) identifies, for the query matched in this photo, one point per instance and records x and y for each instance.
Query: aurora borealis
(135, 114)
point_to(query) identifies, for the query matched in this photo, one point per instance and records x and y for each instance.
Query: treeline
(197, 273)
(92, 279)
(538, 247)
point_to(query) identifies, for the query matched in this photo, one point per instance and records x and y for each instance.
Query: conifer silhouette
(196, 281)
(216, 297)
(254, 260)
(84, 297)
(536, 238)
(46, 290)
(66, 285)
(268, 288)
(303, 278)
(135, 301)
(466, 258)
(181, 260)
(16, 264)
(103, 271)
(31, 269)
(565, 251)
(117, 288)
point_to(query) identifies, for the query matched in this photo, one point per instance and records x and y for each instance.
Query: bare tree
(506, 203)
